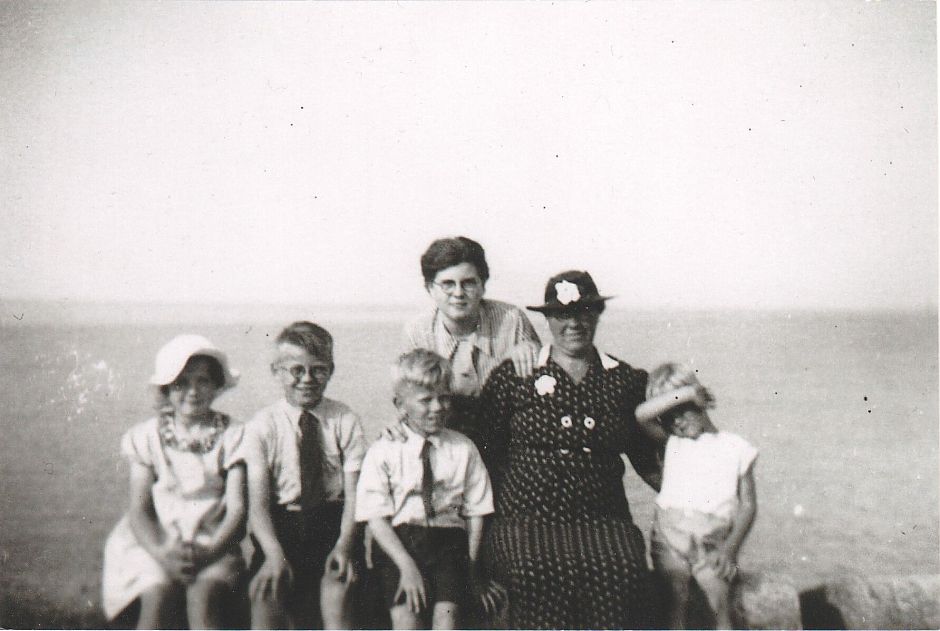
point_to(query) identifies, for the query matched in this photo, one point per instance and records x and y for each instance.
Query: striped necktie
(311, 461)
(427, 480)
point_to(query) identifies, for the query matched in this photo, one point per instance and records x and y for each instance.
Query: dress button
(589, 422)
(566, 421)
(564, 452)
(587, 450)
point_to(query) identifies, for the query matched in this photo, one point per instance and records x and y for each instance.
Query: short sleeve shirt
(702, 474)
(391, 481)
(189, 491)
(273, 438)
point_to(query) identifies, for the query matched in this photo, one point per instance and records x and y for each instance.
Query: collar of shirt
(415, 441)
(481, 338)
(293, 412)
(608, 362)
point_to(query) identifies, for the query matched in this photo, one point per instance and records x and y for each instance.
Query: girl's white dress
(188, 497)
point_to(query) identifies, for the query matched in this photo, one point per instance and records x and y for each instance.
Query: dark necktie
(311, 461)
(427, 480)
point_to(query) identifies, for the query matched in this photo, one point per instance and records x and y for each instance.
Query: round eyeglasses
(469, 286)
(297, 371)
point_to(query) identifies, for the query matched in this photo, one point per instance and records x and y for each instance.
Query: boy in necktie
(425, 499)
(304, 454)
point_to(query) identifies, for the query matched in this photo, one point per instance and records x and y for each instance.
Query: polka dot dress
(563, 537)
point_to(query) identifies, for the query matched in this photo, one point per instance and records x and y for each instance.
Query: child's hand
(703, 398)
(411, 584)
(725, 563)
(490, 593)
(178, 560)
(272, 580)
(339, 565)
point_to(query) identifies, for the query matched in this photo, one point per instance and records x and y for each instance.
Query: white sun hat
(172, 358)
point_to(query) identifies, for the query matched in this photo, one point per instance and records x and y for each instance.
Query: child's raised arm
(169, 553)
(650, 410)
(411, 583)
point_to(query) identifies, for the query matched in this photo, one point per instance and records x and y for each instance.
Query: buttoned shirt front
(390, 481)
(272, 437)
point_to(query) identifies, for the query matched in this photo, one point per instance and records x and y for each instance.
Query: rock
(762, 601)
(902, 602)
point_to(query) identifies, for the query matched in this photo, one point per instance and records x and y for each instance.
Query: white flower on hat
(545, 385)
(567, 292)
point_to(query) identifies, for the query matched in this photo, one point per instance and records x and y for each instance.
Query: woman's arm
(171, 554)
(232, 527)
(525, 350)
(495, 412)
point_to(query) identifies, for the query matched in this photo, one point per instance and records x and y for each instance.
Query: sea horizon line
(59, 311)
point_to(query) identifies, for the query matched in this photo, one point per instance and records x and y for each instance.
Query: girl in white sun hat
(177, 549)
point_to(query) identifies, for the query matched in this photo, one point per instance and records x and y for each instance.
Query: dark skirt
(589, 573)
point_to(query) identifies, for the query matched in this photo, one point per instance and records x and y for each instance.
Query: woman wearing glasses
(474, 333)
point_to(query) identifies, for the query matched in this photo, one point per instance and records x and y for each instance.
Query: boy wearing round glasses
(304, 457)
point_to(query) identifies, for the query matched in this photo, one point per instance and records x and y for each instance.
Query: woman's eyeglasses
(469, 286)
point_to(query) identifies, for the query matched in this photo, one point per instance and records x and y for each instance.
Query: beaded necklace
(200, 444)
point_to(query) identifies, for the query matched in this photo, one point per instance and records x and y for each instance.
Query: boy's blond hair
(668, 377)
(420, 367)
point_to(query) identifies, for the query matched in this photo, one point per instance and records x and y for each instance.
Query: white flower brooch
(567, 292)
(545, 385)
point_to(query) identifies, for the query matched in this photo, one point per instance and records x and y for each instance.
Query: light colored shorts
(692, 537)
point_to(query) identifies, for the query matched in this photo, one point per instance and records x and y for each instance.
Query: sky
(689, 155)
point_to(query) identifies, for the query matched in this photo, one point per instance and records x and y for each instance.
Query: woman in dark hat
(563, 538)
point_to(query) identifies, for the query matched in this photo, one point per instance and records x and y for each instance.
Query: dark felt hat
(570, 291)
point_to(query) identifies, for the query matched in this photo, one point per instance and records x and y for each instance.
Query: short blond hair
(669, 377)
(420, 367)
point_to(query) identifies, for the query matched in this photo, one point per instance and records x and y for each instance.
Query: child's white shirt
(701, 474)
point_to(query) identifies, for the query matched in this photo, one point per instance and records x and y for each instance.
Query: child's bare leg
(404, 618)
(444, 616)
(718, 593)
(677, 575)
(161, 607)
(336, 603)
(204, 604)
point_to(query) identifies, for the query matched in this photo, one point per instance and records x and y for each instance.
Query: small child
(303, 453)
(707, 502)
(425, 499)
(180, 540)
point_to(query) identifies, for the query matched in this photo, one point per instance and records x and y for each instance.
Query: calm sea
(843, 407)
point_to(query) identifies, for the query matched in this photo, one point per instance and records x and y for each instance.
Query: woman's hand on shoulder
(524, 357)
(393, 431)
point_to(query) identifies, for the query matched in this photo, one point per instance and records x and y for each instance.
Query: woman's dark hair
(450, 251)
(215, 372)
